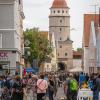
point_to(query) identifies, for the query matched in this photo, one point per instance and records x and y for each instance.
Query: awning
(34, 69)
(29, 70)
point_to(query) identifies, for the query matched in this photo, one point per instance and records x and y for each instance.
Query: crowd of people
(30, 87)
(82, 81)
(43, 85)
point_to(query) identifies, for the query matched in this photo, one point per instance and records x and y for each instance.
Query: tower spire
(59, 4)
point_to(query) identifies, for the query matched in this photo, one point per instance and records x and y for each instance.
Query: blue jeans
(51, 95)
(95, 95)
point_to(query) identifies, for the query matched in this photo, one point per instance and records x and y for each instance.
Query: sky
(37, 12)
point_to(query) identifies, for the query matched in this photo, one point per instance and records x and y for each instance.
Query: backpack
(73, 85)
(7, 84)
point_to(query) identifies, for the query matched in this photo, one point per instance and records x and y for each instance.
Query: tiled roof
(59, 4)
(77, 53)
(44, 33)
(87, 23)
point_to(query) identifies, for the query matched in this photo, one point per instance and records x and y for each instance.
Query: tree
(40, 46)
(79, 49)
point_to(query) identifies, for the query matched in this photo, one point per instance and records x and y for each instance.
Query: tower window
(60, 46)
(60, 21)
(60, 38)
(65, 54)
(54, 11)
(60, 29)
(58, 11)
(62, 11)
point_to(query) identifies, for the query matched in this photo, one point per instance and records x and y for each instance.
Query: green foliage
(80, 49)
(40, 46)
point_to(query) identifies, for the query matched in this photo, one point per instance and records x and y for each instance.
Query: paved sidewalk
(60, 95)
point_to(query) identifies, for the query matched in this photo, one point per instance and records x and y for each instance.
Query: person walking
(71, 88)
(51, 88)
(34, 83)
(1, 86)
(96, 90)
(42, 86)
(28, 93)
(82, 78)
(17, 90)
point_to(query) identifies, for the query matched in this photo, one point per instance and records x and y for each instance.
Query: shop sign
(3, 56)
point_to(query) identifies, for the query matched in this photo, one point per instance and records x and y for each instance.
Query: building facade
(91, 42)
(50, 64)
(77, 59)
(59, 25)
(11, 36)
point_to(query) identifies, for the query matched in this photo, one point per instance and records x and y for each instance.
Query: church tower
(59, 25)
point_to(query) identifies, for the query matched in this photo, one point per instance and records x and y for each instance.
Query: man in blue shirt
(82, 78)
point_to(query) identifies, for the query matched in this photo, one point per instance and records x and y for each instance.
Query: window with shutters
(0, 40)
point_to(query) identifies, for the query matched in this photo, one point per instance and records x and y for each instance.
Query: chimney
(99, 17)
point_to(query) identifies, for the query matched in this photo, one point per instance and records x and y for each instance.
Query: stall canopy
(29, 70)
(34, 70)
(76, 69)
